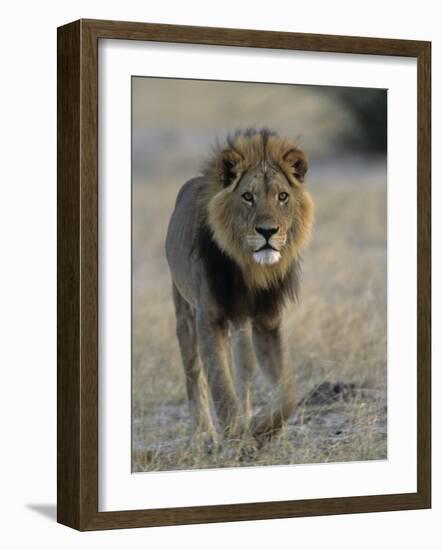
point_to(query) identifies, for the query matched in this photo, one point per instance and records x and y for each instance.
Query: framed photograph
(243, 274)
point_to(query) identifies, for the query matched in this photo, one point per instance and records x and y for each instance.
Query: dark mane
(227, 284)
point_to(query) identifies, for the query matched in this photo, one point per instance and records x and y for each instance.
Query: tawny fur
(246, 150)
(225, 293)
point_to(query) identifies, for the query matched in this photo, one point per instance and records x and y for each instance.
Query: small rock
(327, 393)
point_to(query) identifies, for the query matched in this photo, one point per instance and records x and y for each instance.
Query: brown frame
(77, 224)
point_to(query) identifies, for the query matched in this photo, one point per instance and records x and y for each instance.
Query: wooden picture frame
(77, 459)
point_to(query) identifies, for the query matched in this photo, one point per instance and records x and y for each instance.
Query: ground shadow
(47, 510)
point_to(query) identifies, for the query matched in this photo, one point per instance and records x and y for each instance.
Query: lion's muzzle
(266, 245)
(267, 256)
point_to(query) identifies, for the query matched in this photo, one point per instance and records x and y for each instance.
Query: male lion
(233, 248)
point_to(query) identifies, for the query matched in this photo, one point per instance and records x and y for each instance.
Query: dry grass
(338, 331)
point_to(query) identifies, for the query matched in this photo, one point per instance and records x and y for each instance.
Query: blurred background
(337, 333)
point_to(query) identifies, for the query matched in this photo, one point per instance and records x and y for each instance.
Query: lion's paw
(205, 442)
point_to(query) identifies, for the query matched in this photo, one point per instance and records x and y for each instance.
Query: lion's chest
(228, 288)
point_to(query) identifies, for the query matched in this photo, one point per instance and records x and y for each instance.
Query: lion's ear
(298, 164)
(228, 171)
(228, 166)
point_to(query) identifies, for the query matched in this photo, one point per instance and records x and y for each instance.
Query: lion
(233, 247)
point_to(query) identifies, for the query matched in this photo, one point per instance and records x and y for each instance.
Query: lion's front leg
(213, 340)
(244, 362)
(272, 358)
(196, 384)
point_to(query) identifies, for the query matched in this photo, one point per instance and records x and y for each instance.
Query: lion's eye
(248, 197)
(283, 196)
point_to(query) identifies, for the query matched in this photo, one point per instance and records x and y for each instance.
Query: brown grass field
(337, 332)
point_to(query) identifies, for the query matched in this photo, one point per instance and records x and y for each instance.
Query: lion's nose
(267, 232)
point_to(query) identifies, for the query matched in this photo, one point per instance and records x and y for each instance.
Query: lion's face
(259, 211)
(263, 209)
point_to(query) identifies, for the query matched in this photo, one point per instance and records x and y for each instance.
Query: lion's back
(181, 234)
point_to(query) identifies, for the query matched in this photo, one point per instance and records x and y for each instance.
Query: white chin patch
(267, 257)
